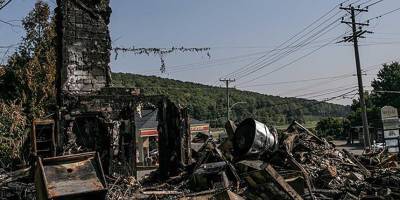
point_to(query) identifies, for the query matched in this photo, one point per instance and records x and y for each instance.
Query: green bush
(12, 133)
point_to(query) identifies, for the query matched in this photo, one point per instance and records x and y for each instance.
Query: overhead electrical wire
(5, 4)
(277, 56)
(287, 41)
(308, 87)
(346, 75)
(376, 2)
(297, 81)
(328, 31)
(384, 14)
(290, 63)
(215, 62)
(252, 64)
(319, 84)
(243, 74)
(326, 92)
(364, 2)
(253, 79)
(325, 100)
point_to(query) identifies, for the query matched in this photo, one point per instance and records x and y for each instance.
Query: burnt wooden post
(132, 141)
(163, 142)
(186, 138)
(174, 138)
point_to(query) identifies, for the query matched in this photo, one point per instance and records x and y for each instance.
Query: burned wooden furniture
(70, 177)
(43, 138)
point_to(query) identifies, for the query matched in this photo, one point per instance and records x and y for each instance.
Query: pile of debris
(253, 162)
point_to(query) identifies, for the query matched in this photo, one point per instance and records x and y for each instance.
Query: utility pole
(354, 38)
(227, 81)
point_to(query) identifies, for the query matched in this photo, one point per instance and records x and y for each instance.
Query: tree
(334, 127)
(373, 112)
(294, 114)
(388, 79)
(30, 72)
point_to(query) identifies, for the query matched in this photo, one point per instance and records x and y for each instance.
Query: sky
(240, 34)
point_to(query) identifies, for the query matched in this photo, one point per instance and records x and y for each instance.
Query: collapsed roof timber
(87, 151)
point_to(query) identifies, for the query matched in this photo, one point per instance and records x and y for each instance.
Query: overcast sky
(239, 33)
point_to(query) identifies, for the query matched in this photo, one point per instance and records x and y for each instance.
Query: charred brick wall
(85, 45)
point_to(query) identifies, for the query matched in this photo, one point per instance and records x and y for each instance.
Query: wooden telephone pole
(227, 81)
(358, 33)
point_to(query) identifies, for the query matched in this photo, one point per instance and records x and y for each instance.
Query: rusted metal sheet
(78, 176)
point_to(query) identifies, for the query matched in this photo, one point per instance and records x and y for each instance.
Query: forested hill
(208, 103)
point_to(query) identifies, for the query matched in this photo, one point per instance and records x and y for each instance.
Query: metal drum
(253, 138)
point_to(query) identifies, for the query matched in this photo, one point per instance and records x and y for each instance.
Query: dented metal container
(252, 138)
(74, 177)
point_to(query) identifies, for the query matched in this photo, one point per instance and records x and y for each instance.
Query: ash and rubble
(300, 166)
(95, 128)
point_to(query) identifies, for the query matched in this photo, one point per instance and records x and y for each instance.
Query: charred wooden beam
(282, 183)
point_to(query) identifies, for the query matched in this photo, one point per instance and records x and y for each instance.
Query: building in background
(147, 135)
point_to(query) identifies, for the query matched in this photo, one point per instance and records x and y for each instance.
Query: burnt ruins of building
(93, 115)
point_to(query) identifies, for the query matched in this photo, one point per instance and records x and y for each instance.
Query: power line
(387, 91)
(274, 58)
(365, 2)
(380, 43)
(297, 81)
(5, 4)
(321, 83)
(217, 62)
(9, 46)
(293, 51)
(277, 58)
(251, 65)
(287, 41)
(372, 4)
(290, 63)
(384, 14)
(311, 86)
(10, 24)
(346, 75)
(333, 91)
(326, 100)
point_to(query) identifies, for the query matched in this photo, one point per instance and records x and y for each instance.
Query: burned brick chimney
(85, 46)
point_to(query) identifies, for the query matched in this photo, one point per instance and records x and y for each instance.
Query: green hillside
(208, 103)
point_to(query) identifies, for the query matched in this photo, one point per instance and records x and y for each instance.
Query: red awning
(148, 132)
